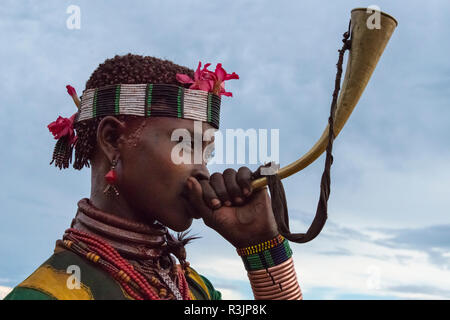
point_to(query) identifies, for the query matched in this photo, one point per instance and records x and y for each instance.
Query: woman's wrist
(265, 254)
(270, 269)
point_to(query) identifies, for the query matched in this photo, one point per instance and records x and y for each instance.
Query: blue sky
(388, 232)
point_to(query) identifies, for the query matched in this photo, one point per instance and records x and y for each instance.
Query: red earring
(111, 178)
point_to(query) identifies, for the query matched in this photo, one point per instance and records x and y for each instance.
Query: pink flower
(71, 90)
(207, 80)
(63, 127)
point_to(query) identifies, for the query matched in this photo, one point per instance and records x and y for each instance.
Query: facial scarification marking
(134, 138)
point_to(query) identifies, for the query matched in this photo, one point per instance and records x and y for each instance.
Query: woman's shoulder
(67, 276)
(200, 286)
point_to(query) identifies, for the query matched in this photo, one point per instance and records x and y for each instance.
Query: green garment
(51, 281)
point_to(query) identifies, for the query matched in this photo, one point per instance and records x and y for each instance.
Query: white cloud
(357, 273)
(4, 291)
(230, 268)
(229, 294)
(345, 262)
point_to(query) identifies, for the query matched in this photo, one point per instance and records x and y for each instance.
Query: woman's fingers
(209, 195)
(227, 189)
(233, 189)
(244, 179)
(194, 195)
(218, 184)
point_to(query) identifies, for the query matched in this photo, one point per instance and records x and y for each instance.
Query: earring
(111, 178)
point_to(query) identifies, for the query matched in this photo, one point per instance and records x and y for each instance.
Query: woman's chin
(181, 222)
(181, 226)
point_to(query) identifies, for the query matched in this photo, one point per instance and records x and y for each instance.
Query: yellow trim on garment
(196, 277)
(54, 283)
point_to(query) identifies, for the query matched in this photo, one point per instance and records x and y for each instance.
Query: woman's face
(150, 181)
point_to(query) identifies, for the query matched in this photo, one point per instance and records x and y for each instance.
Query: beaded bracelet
(260, 246)
(267, 258)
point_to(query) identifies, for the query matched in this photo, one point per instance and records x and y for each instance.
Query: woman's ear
(109, 131)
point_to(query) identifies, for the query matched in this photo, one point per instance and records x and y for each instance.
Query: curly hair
(126, 69)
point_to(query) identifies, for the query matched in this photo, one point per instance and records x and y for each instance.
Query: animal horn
(367, 46)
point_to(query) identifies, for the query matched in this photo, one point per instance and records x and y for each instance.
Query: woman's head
(150, 184)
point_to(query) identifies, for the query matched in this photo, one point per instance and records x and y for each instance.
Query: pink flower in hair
(207, 80)
(63, 127)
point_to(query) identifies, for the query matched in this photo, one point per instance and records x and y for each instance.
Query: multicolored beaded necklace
(132, 278)
(136, 254)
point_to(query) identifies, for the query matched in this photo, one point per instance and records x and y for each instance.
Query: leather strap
(278, 196)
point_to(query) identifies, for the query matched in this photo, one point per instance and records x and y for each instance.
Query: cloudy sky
(388, 231)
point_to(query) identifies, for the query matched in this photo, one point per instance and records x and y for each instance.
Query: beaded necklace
(133, 279)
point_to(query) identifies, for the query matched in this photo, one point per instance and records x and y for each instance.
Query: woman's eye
(209, 154)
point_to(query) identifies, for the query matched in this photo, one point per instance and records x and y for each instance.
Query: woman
(118, 246)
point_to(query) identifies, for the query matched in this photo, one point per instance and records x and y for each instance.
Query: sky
(388, 230)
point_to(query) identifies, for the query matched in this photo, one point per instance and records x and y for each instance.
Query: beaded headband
(200, 102)
(150, 100)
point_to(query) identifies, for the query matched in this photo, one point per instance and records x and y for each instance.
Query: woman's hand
(227, 204)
